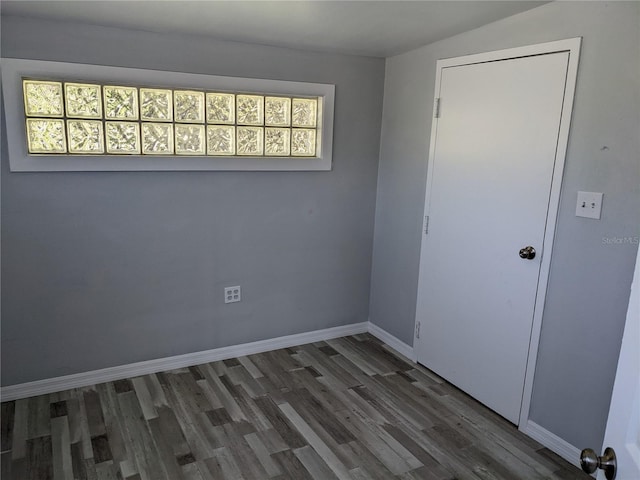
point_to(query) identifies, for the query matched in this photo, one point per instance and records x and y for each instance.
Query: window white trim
(13, 70)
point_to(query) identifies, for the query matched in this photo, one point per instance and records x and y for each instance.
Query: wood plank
(6, 465)
(248, 407)
(7, 416)
(249, 465)
(372, 439)
(155, 390)
(144, 398)
(189, 392)
(39, 459)
(223, 465)
(309, 406)
(272, 441)
(281, 423)
(61, 448)
(38, 417)
(170, 465)
(338, 377)
(123, 386)
(227, 400)
(262, 454)
(193, 471)
(314, 464)
(327, 455)
(436, 471)
(83, 431)
(78, 462)
(137, 433)
(19, 443)
(355, 357)
(240, 376)
(128, 469)
(366, 464)
(95, 418)
(58, 409)
(250, 367)
(106, 471)
(101, 449)
(292, 468)
(210, 393)
(114, 427)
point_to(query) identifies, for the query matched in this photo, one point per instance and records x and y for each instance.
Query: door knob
(590, 462)
(528, 253)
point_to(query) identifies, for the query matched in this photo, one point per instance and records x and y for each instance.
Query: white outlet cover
(589, 205)
(232, 294)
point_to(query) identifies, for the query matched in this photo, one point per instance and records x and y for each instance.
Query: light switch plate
(589, 205)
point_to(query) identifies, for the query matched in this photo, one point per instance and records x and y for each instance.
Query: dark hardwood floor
(347, 408)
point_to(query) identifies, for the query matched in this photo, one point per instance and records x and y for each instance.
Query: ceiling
(373, 28)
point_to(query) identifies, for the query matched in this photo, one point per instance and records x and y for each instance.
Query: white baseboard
(57, 384)
(554, 443)
(398, 345)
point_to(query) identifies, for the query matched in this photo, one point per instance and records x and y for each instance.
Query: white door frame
(572, 46)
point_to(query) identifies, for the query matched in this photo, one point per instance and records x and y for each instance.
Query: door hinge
(437, 109)
(426, 224)
(418, 330)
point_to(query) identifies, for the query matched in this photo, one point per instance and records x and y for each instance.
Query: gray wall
(589, 281)
(103, 269)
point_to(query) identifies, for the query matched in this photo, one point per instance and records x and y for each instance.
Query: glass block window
(71, 118)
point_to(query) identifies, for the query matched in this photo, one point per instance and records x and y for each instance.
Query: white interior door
(623, 426)
(493, 152)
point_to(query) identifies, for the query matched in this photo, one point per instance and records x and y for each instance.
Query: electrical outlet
(589, 205)
(232, 294)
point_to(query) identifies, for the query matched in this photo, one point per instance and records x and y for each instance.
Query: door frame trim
(572, 46)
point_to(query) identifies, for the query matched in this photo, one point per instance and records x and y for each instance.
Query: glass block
(276, 141)
(249, 141)
(303, 142)
(156, 105)
(46, 136)
(83, 100)
(221, 108)
(190, 140)
(85, 136)
(123, 137)
(157, 139)
(304, 112)
(250, 109)
(120, 102)
(188, 106)
(277, 111)
(221, 140)
(42, 98)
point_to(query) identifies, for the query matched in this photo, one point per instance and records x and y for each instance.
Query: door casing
(572, 46)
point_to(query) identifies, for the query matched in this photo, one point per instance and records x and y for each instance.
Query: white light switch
(589, 205)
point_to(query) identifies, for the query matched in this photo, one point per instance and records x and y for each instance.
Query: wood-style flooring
(346, 408)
